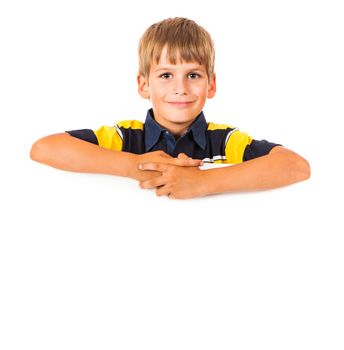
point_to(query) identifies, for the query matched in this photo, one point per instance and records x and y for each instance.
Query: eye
(194, 75)
(165, 75)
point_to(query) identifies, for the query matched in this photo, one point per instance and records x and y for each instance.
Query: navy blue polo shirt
(159, 138)
(215, 143)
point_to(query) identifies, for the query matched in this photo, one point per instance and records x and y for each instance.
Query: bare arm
(279, 168)
(66, 152)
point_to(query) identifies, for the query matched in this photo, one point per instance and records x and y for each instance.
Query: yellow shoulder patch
(213, 126)
(236, 145)
(132, 124)
(108, 137)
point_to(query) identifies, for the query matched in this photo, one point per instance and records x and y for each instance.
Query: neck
(176, 129)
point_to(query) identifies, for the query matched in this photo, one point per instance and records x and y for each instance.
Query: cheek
(201, 89)
(158, 91)
(202, 94)
(155, 93)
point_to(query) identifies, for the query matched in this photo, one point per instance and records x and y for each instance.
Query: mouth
(181, 104)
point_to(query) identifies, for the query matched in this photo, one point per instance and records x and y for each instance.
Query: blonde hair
(184, 39)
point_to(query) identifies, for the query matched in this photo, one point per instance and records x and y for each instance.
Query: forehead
(164, 62)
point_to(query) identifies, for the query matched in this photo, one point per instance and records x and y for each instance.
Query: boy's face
(177, 92)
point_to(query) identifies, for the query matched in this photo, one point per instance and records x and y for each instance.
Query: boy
(176, 73)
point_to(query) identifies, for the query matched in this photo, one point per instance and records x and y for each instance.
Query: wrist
(204, 183)
(132, 170)
(212, 180)
(122, 163)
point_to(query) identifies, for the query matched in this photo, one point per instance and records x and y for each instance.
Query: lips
(180, 104)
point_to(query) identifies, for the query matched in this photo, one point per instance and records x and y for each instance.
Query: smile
(180, 104)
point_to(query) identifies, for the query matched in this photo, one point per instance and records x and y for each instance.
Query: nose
(180, 86)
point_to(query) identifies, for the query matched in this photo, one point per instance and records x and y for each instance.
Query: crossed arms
(174, 177)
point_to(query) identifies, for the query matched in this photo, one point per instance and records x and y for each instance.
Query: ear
(212, 86)
(143, 86)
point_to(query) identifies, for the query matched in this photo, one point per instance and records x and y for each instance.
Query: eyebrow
(171, 68)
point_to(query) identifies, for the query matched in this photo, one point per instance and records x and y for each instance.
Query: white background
(94, 262)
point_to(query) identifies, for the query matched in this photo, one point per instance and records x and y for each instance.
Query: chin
(180, 115)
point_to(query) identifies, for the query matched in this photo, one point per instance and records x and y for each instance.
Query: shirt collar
(153, 130)
(199, 128)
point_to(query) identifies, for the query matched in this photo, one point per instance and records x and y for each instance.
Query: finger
(184, 160)
(163, 191)
(162, 167)
(153, 183)
(187, 161)
(182, 156)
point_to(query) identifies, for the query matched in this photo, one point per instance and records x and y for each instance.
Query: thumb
(184, 160)
(182, 156)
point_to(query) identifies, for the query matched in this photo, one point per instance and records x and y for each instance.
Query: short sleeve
(241, 147)
(84, 134)
(258, 148)
(106, 136)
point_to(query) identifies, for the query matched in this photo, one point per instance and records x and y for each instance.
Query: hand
(160, 157)
(174, 181)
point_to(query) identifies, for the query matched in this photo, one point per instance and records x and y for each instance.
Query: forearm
(66, 152)
(271, 171)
